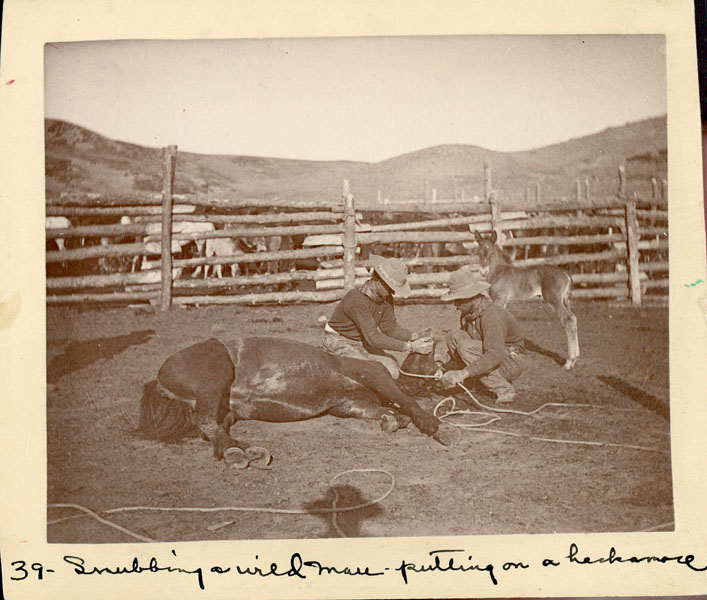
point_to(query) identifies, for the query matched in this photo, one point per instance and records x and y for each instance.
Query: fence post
(537, 192)
(577, 190)
(496, 220)
(622, 183)
(349, 240)
(487, 182)
(632, 237)
(169, 158)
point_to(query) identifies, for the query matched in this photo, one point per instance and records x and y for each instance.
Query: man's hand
(423, 333)
(452, 378)
(422, 345)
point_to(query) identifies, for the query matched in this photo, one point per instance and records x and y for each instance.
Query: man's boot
(504, 390)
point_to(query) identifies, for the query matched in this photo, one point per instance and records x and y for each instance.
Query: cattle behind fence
(314, 251)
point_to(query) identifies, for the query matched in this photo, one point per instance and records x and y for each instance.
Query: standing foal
(509, 282)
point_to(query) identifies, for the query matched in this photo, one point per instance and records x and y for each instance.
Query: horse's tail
(161, 417)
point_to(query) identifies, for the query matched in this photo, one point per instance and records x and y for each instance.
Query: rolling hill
(80, 160)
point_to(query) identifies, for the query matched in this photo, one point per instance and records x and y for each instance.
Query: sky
(363, 99)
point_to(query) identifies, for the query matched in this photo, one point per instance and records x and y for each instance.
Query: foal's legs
(569, 322)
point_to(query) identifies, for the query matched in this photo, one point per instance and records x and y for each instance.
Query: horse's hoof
(448, 435)
(389, 423)
(403, 420)
(259, 457)
(569, 363)
(235, 458)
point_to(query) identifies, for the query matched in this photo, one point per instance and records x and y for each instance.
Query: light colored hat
(463, 284)
(394, 272)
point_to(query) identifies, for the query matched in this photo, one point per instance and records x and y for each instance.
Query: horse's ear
(494, 236)
(478, 237)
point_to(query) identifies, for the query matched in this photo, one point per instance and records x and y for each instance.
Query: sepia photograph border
(188, 568)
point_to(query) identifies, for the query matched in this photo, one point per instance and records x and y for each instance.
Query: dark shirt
(497, 329)
(358, 318)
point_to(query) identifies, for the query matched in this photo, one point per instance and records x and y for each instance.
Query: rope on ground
(90, 513)
(532, 412)
(334, 510)
(542, 439)
(478, 426)
(663, 526)
(454, 411)
(576, 442)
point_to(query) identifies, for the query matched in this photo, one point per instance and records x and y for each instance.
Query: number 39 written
(20, 567)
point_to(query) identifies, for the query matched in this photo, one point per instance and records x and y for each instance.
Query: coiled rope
(334, 510)
(493, 418)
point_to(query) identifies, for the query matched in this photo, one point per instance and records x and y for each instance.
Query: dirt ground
(99, 359)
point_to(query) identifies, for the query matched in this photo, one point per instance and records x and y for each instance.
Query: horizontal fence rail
(176, 249)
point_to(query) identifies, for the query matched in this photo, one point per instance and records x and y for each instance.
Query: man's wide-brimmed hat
(394, 272)
(463, 284)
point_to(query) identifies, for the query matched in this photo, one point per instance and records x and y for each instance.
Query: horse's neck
(498, 264)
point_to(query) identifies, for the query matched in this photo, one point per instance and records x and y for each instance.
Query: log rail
(614, 247)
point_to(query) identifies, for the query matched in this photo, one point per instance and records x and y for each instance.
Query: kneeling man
(363, 324)
(489, 344)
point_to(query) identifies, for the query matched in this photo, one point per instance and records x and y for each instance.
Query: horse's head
(418, 364)
(492, 257)
(487, 248)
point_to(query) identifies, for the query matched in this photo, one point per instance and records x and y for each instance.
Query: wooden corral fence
(276, 251)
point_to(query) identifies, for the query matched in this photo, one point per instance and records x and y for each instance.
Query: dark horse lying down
(213, 384)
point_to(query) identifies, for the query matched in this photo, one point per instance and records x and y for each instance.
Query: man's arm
(493, 334)
(366, 324)
(389, 325)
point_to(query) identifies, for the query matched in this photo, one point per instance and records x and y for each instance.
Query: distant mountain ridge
(80, 160)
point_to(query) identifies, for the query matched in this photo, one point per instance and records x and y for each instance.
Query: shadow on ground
(637, 395)
(533, 347)
(349, 523)
(78, 355)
